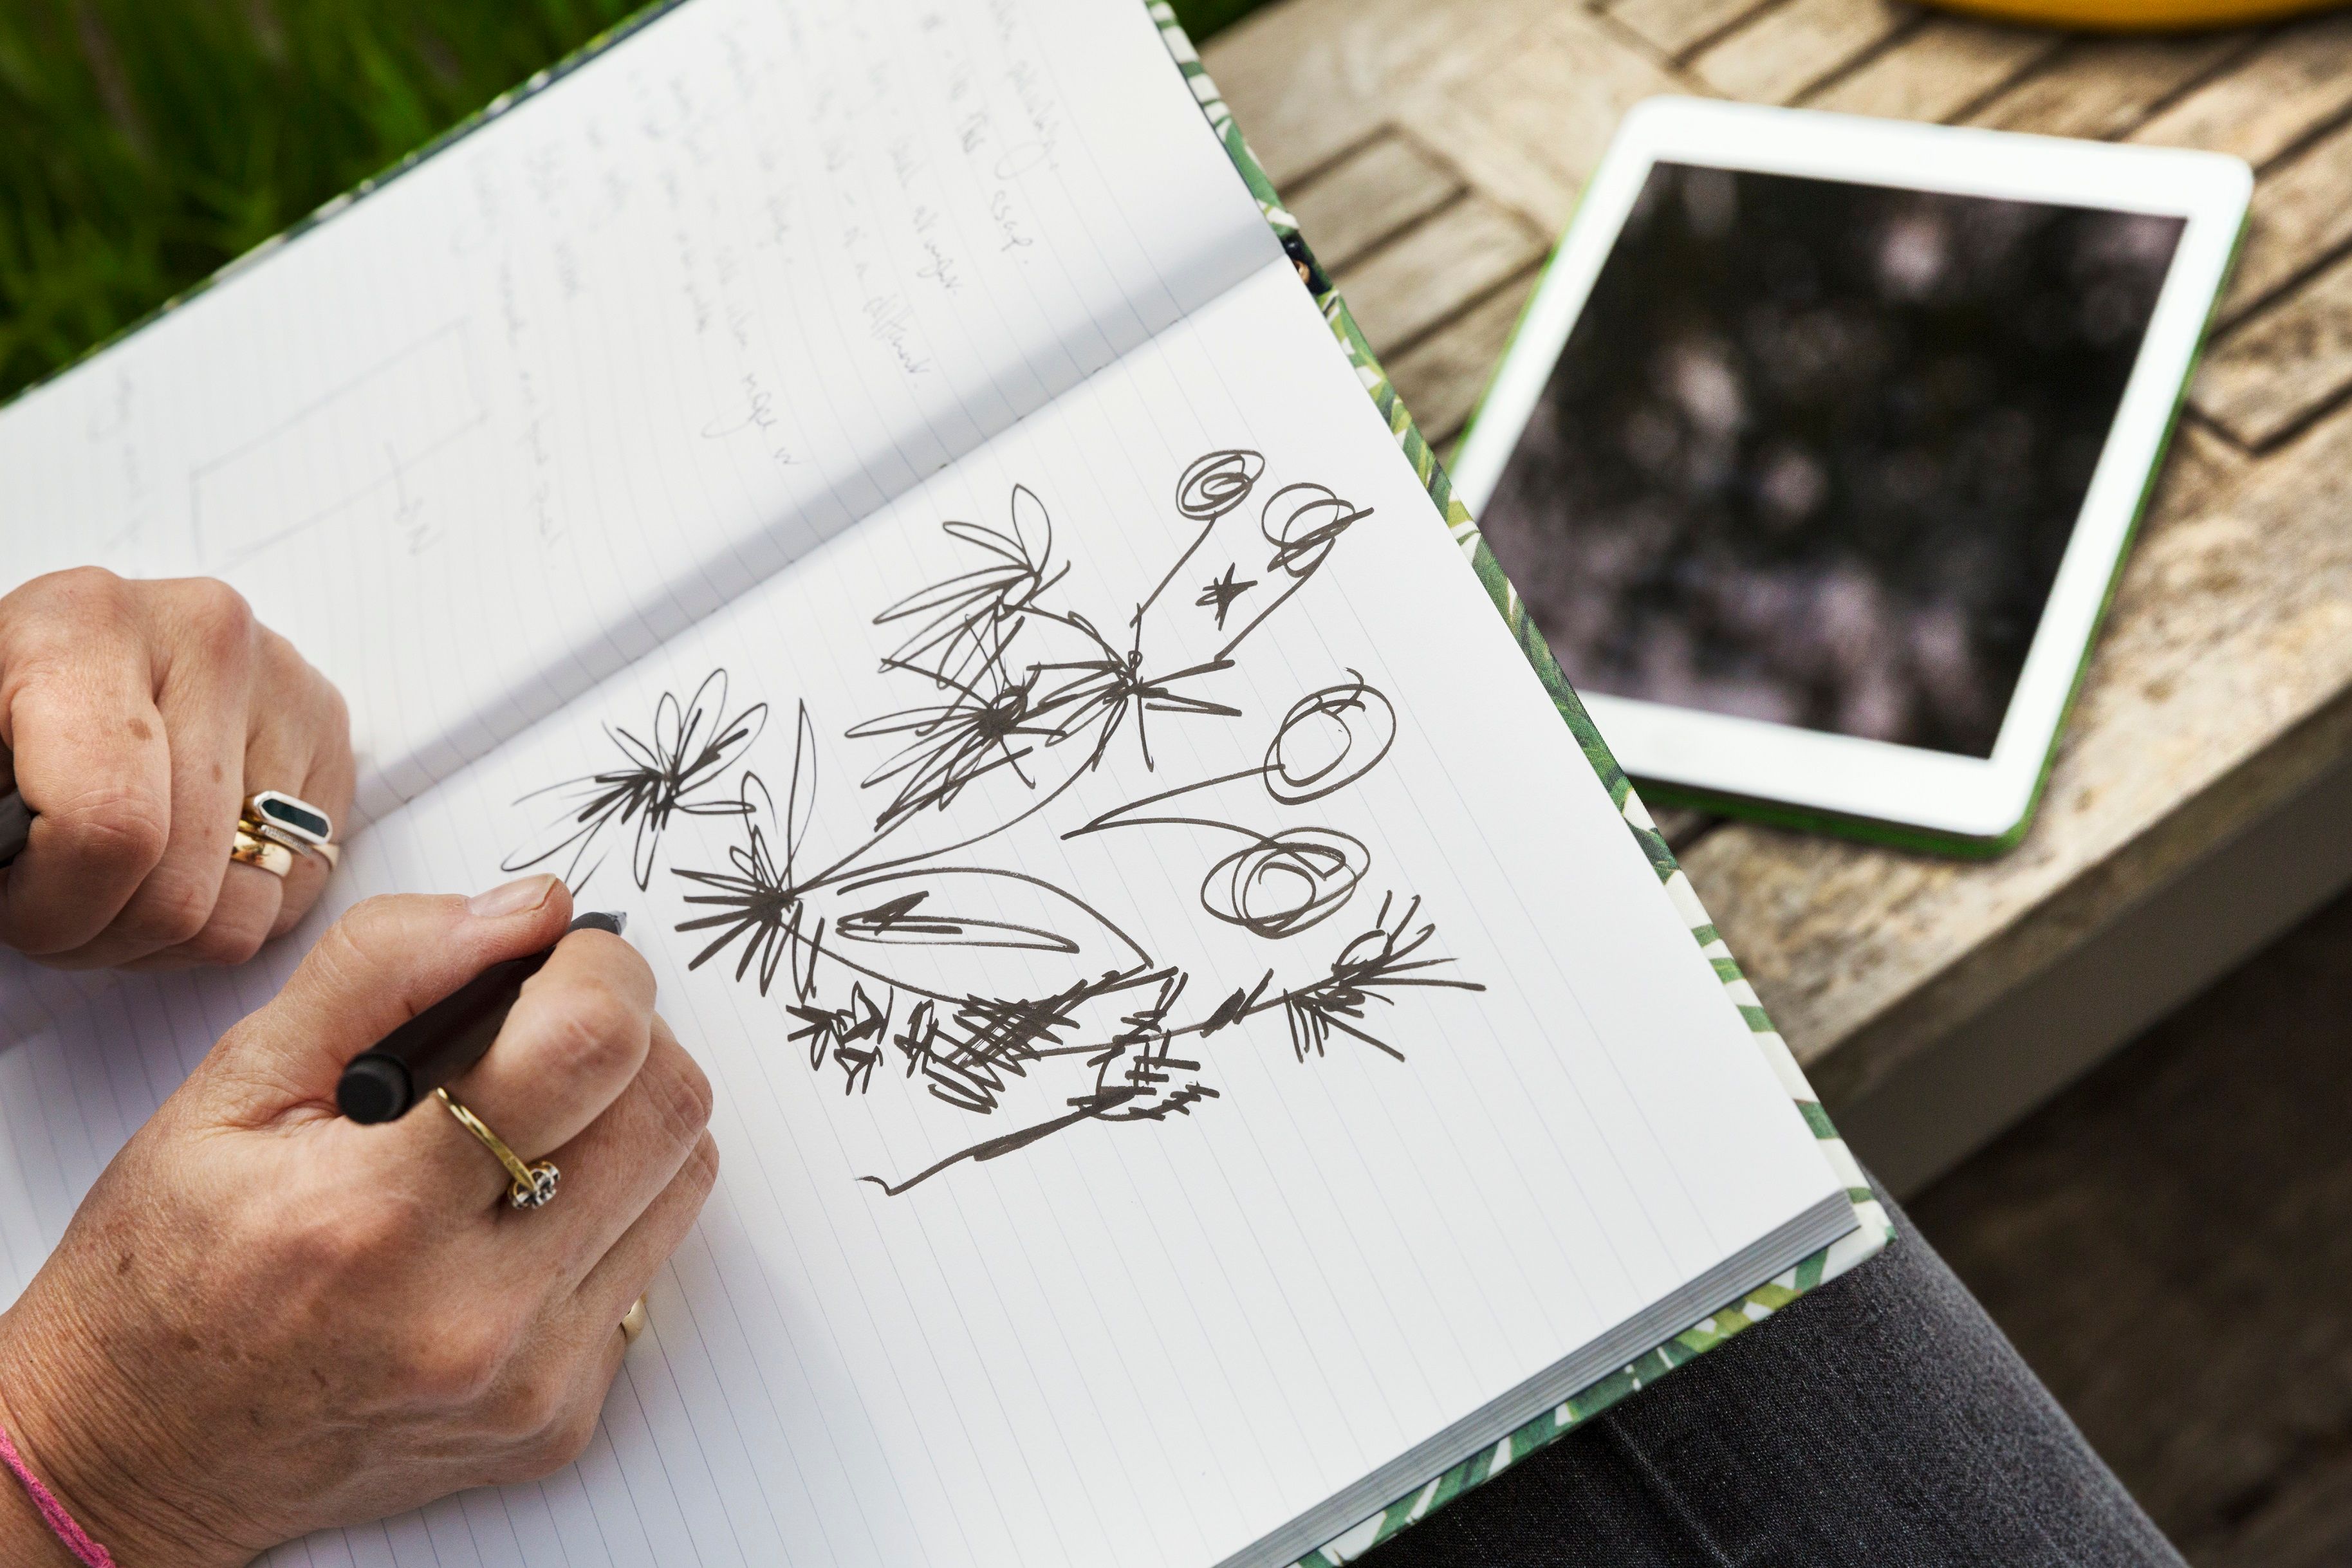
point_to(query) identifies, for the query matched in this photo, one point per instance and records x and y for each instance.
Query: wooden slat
(2204, 1179)
(2300, 213)
(1529, 120)
(2101, 87)
(2302, 1516)
(2224, 679)
(1675, 25)
(1375, 191)
(1939, 72)
(2268, 375)
(1441, 378)
(1784, 51)
(1428, 274)
(1310, 78)
(2232, 628)
(2295, 83)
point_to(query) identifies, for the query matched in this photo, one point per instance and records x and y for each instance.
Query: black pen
(439, 1043)
(15, 826)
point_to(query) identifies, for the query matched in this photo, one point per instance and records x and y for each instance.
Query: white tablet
(1819, 444)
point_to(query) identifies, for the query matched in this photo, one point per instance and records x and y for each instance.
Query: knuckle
(334, 713)
(332, 1249)
(81, 588)
(682, 1098)
(558, 1441)
(522, 1409)
(350, 1235)
(53, 619)
(346, 952)
(216, 617)
(457, 1366)
(298, 689)
(565, 1439)
(171, 909)
(699, 1176)
(590, 1028)
(227, 941)
(113, 826)
(702, 1164)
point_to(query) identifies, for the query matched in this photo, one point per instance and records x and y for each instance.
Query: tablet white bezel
(1718, 754)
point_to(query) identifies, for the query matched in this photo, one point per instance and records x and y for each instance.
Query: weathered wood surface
(2168, 1242)
(1441, 142)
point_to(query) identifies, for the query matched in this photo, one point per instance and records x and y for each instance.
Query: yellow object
(245, 850)
(533, 1185)
(2137, 15)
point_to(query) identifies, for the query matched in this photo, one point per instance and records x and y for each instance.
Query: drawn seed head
(1280, 886)
(1216, 484)
(1328, 740)
(1302, 522)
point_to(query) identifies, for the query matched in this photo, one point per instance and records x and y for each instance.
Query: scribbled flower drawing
(667, 772)
(903, 952)
(757, 901)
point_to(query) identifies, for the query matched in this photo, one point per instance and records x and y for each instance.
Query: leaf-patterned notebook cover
(1872, 1230)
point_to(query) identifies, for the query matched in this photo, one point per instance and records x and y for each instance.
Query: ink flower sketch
(1018, 1008)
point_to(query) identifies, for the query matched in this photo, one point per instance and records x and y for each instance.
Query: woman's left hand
(135, 717)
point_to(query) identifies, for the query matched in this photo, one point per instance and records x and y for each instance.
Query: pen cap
(374, 1089)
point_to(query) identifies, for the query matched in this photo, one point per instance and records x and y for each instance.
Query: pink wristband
(53, 1512)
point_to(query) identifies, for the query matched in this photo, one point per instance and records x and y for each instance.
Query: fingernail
(516, 897)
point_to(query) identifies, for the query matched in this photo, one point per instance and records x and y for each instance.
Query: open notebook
(1209, 1064)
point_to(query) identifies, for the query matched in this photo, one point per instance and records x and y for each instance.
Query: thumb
(386, 961)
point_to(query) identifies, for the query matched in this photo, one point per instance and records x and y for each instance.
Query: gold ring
(289, 820)
(533, 1185)
(246, 849)
(634, 1322)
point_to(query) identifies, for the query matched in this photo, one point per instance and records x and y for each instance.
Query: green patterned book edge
(1872, 1230)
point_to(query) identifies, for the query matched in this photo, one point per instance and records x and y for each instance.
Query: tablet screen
(1814, 448)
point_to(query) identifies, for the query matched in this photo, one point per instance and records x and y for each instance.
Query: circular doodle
(1216, 484)
(1328, 740)
(1303, 521)
(1282, 886)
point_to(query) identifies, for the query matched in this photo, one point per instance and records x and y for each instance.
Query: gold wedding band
(634, 1322)
(533, 1185)
(246, 849)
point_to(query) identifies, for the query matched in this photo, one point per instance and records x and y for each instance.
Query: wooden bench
(1432, 150)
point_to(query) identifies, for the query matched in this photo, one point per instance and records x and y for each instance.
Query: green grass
(145, 143)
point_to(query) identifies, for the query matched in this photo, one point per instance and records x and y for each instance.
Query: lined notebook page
(582, 375)
(1305, 1238)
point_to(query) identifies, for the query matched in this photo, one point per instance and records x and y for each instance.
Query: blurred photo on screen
(1814, 448)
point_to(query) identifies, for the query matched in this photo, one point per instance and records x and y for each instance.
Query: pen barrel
(15, 825)
(437, 1045)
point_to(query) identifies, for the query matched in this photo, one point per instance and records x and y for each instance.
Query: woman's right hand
(265, 1320)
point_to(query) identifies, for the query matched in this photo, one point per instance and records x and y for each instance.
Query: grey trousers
(1881, 1421)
